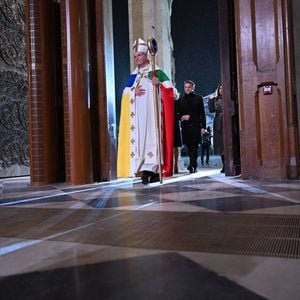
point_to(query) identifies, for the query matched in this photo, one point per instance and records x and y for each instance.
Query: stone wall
(14, 148)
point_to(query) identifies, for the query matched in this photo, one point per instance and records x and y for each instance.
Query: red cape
(168, 130)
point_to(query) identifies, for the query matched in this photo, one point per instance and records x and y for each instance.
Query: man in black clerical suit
(190, 111)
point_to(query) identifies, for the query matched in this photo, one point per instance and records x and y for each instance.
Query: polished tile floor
(196, 236)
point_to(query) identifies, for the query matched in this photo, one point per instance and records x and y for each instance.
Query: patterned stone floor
(196, 236)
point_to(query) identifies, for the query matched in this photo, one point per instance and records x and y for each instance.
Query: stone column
(151, 18)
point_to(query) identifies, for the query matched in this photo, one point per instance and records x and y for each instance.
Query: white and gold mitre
(140, 46)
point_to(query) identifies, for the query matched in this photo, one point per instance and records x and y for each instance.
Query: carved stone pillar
(75, 56)
(268, 123)
(151, 18)
(14, 145)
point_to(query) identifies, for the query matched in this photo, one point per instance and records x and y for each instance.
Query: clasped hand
(155, 81)
(185, 117)
(140, 91)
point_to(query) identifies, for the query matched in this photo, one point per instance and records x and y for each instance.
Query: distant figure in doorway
(205, 146)
(190, 111)
(215, 106)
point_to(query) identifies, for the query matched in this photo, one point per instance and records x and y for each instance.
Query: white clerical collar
(144, 69)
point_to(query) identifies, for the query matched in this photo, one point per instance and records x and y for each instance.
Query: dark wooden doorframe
(229, 81)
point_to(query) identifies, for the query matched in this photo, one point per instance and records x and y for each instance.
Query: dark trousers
(205, 151)
(192, 150)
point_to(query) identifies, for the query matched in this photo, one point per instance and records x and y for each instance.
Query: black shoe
(145, 179)
(202, 163)
(222, 170)
(191, 170)
(154, 178)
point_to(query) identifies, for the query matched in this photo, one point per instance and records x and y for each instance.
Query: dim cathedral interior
(70, 229)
